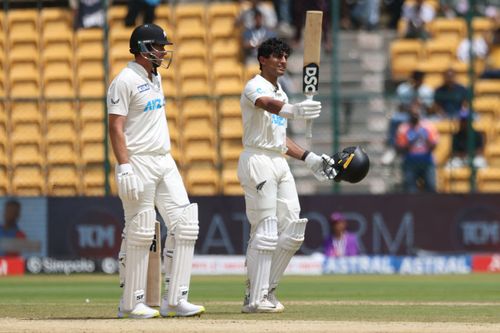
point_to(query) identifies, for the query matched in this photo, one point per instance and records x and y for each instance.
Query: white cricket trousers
(163, 188)
(269, 187)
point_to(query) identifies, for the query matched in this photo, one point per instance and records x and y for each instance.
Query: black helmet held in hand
(353, 164)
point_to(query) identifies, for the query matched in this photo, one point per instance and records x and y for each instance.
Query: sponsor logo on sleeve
(143, 87)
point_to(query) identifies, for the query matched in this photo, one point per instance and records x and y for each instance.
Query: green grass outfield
(471, 298)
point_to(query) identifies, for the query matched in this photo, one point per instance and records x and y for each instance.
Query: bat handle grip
(309, 123)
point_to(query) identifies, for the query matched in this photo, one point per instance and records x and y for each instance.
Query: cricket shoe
(264, 306)
(183, 309)
(140, 311)
(274, 300)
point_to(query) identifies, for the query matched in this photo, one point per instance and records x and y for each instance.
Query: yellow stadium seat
(223, 27)
(116, 16)
(28, 180)
(92, 132)
(229, 107)
(443, 149)
(61, 132)
(230, 152)
(94, 180)
(59, 83)
(193, 108)
(222, 9)
(199, 130)
(172, 112)
(63, 180)
(193, 11)
(27, 154)
(492, 154)
(494, 57)
(22, 25)
(455, 180)
(193, 68)
(447, 28)
(191, 48)
(91, 111)
(164, 18)
(441, 51)
(482, 25)
(225, 48)
(26, 112)
(190, 29)
(56, 20)
(61, 111)
(488, 180)
(200, 154)
(25, 81)
(4, 182)
(228, 86)
(194, 87)
(487, 87)
(487, 107)
(231, 128)
(202, 181)
(168, 84)
(92, 152)
(405, 56)
(61, 153)
(26, 133)
(230, 183)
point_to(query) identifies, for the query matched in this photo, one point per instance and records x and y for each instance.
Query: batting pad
(139, 235)
(259, 256)
(289, 242)
(168, 253)
(185, 235)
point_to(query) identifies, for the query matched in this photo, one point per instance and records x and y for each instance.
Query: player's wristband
(303, 157)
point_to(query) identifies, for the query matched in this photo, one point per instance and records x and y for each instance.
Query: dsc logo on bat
(310, 79)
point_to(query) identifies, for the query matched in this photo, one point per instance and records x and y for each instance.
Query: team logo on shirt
(259, 91)
(143, 87)
(277, 120)
(154, 104)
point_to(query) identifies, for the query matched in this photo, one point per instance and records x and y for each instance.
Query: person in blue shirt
(10, 229)
(450, 97)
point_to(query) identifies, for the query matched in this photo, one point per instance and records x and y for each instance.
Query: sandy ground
(195, 325)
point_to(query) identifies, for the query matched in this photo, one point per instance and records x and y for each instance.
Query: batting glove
(322, 166)
(307, 109)
(129, 185)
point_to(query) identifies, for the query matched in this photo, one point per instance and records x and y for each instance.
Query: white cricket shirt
(262, 129)
(141, 100)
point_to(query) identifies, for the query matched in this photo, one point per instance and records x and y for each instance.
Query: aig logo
(154, 105)
(310, 78)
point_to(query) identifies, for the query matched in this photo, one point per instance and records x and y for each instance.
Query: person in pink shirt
(415, 140)
(340, 242)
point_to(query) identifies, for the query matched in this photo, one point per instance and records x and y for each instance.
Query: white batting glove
(316, 164)
(129, 185)
(307, 109)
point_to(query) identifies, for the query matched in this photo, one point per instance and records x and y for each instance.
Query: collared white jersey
(262, 129)
(141, 100)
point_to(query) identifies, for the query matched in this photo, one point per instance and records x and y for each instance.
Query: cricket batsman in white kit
(271, 199)
(147, 176)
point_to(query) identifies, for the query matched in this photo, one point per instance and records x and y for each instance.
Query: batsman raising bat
(271, 199)
(147, 176)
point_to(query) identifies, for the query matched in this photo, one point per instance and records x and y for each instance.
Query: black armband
(303, 157)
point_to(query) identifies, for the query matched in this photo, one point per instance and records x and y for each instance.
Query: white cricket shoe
(274, 300)
(183, 309)
(264, 306)
(140, 311)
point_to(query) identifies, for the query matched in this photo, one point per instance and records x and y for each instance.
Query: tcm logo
(311, 78)
(96, 236)
(154, 105)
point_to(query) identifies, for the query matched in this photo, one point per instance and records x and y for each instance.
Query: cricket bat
(153, 289)
(312, 52)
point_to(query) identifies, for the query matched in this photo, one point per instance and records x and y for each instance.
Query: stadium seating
(405, 56)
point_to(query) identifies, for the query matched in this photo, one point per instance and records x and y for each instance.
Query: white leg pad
(289, 242)
(121, 259)
(259, 256)
(139, 235)
(185, 236)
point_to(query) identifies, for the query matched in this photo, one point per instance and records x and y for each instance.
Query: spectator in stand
(451, 97)
(366, 14)
(253, 37)
(340, 242)
(87, 13)
(417, 16)
(407, 92)
(460, 144)
(480, 48)
(415, 140)
(246, 18)
(394, 8)
(283, 9)
(148, 7)
(299, 14)
(10, 229)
